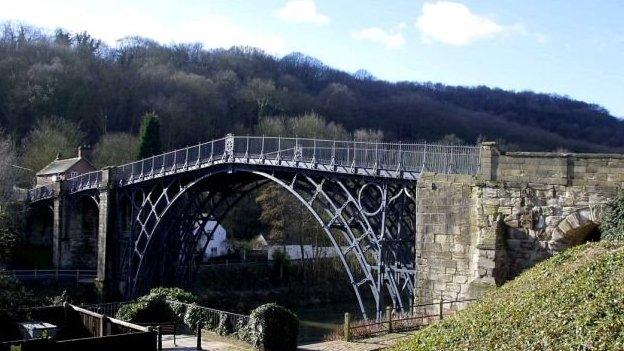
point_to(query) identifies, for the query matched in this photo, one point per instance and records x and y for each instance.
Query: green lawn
(573, 301)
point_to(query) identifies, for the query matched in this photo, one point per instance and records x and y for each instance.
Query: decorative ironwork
(85, 181)
(362, 194)
(388, 160)
(41, 193)
(372, 230)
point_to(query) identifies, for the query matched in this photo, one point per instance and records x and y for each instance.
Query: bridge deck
(390, 160)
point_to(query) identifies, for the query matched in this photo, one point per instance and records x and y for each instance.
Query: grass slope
(573, 301)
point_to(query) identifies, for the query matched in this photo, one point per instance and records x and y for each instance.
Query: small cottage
(219, 244)
(61, 169)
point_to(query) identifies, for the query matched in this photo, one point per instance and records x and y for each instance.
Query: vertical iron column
(104, 218)
(59, 224)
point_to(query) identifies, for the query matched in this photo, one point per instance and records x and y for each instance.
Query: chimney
(84, 151)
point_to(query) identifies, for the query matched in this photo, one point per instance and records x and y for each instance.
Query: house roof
(59, 166)
(260, 240)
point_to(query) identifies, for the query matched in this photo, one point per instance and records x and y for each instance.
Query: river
(317, 321)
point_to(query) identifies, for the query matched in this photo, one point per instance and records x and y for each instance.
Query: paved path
(209, 342)
(213, 342)
(371, 344)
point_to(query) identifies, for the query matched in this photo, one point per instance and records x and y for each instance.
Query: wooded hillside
(200, 94)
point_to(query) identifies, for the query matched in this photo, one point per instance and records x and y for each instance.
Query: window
(73, 174)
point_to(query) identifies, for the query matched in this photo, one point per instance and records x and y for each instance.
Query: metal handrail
(51, 273)
(382, 159)
(394, 320)
(89, 180)
(397, 160)
(41, 192)
(237, 320)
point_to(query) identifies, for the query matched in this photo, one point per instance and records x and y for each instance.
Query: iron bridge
(363, 195)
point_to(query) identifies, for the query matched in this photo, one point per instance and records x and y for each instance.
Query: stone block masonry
(477, 232)
(473, 232)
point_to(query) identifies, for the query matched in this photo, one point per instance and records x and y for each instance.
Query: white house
(219, 244)
(259, 243)
(309, 251)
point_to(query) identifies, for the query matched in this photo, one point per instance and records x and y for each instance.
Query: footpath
(370, 344)
(212, 342)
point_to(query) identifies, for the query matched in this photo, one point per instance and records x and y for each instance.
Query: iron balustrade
(90, 180)
(211, 317)
(395, 321)
(353, 157)
(177, 161)
(395, 160)
(41, 192)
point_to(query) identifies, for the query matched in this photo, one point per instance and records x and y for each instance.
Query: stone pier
(477, 232)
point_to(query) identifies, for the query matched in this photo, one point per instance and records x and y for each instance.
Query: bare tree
(8, 173)
(368, 135)
(50, 137)
(115, 149)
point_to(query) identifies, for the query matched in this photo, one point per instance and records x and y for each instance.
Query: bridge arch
(379, 234)
(576, 228)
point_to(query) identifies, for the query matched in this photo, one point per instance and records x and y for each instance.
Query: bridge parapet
(90, 180)
(395, 160)
(42, 192)
(390, 160)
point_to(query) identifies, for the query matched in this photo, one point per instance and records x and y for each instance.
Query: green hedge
(153, 307)
(273, 328)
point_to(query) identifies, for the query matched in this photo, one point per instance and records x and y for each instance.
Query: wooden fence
(82, 329)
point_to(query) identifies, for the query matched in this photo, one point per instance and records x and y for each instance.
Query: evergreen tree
(149, 136)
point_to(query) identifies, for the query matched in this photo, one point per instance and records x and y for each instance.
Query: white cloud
(453, 23)
(302, 11)
(541, 38)
(220, 31)
(113, 22)
(391, 40)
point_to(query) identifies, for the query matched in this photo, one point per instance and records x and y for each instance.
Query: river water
(317, 321)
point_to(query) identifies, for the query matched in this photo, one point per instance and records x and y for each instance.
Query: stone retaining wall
(477, 232)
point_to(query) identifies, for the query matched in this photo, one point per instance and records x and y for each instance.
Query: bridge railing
(393, 158)
(386, 159)
(191, 157)
(90, 180)
(41, 192)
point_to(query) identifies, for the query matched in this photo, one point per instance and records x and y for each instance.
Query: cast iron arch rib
(331, 199)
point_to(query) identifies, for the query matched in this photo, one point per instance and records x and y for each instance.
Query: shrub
(147, 311)
(8, 238)
(196, 315)
(154, 308)
(273, 328)
(612, 227)
(225, 326)
(175, 294)
(12, 295)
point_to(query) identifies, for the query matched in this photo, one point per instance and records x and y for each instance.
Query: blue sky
(573, 47)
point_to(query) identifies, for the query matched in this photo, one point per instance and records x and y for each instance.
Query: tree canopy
(199, 94)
